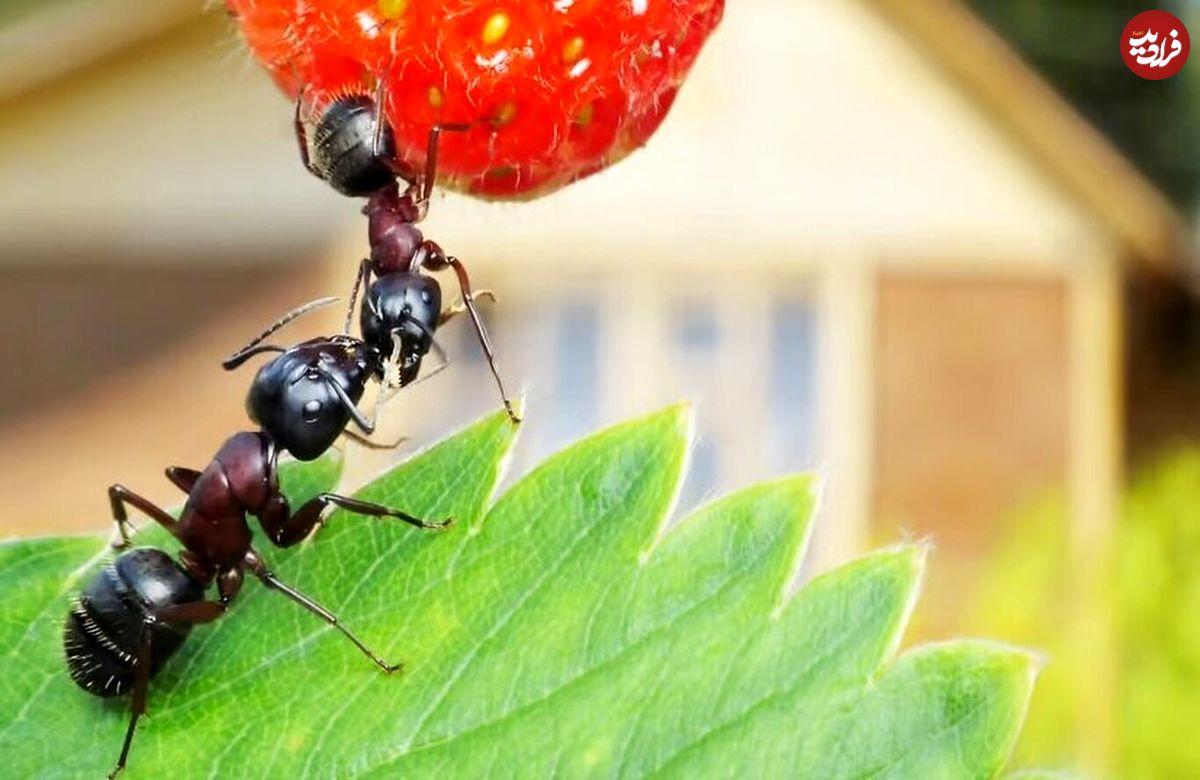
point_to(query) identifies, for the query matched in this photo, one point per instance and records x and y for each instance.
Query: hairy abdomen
(105, 622)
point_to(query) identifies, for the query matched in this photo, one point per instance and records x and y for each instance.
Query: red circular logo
(1155, 45)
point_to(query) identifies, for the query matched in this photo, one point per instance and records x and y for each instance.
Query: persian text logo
(1155, 45)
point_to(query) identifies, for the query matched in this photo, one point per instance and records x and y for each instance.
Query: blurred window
(576, 369)
(793, 384)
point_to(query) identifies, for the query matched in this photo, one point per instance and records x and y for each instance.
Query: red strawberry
(559, 89)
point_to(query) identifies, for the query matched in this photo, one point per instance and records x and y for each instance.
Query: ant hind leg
(181, 615)
(258, 568)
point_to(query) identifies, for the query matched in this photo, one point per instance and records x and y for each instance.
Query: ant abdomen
(343, 147)
(105, 623)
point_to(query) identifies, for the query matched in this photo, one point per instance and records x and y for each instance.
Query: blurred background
(940, 251)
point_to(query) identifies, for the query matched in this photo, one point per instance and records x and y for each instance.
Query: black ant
(354, 150)
(137, 612)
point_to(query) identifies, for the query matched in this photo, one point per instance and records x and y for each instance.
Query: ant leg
(371, 444)
(458, 308)
(184, 479)
(436, 259)
(302, 137)
(360, 280)
(431, 155)
(377, 150)
(118, 497)
(369, 509)
(286, 530)
(181, 615)
(254, 563)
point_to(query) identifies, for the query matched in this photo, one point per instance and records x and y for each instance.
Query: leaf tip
(518, 407)
(906, 566)
(1022, 661)
(684, 415)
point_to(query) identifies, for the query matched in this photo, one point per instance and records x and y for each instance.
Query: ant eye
(312, 410)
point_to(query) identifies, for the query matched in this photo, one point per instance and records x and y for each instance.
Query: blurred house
(868, 240)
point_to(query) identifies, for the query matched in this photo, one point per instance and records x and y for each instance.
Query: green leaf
(565, 631)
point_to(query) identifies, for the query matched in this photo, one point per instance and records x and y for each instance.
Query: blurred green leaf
(1153, 590)
(569, 634)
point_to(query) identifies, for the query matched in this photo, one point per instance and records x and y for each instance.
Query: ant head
(400, 312)
(343, 147)
(305, 397)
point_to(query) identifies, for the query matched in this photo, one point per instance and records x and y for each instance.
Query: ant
(354, 150)
(138, 611)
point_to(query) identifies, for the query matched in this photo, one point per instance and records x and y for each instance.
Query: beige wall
(971, 404)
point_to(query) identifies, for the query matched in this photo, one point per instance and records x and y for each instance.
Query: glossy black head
(343, 150)
(305, 397)
(403, 308)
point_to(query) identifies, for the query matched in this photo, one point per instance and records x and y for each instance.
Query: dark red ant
(137, 612)
(354, 150)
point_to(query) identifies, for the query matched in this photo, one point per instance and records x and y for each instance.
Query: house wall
(970, 401)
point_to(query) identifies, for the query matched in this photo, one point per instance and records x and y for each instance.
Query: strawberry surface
(556, 89)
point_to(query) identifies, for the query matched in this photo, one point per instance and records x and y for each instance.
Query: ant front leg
(254, 563)
(286, 530)
(302, 137)
(431, 158)
(186, 615)
(118, 497)
(453, 311)
(368, 443)
(436, 259)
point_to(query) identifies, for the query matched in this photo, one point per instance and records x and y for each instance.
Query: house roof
(1065, 144)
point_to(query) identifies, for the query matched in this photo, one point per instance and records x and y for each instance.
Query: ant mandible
(136, 613)
(354, 151)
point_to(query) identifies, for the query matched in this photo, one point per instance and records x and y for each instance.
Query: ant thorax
(392, 231)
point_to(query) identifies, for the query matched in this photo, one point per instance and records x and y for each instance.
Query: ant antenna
(239, 357)
(237, 360)
(367, 426)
